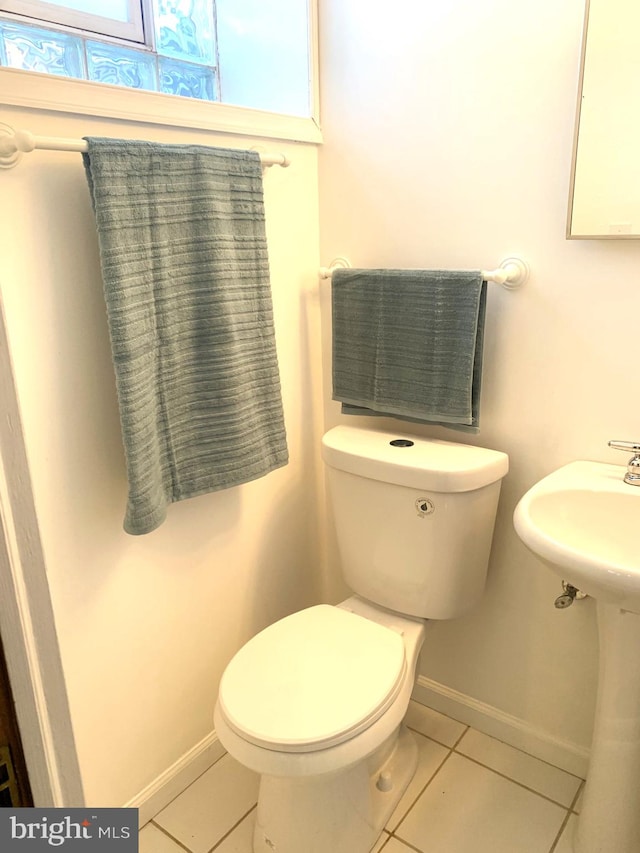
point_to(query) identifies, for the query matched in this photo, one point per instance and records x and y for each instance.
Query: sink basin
(583, 520)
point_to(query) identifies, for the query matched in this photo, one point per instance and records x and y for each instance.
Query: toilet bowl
(315, 702)
(328, 742)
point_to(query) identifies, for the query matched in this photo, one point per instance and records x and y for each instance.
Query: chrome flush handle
(632, 477)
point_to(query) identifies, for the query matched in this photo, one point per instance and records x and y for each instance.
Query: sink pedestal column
(610, 815)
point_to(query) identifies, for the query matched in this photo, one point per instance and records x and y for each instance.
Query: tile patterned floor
(470, 794)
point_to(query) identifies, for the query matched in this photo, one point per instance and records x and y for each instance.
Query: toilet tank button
(424, 506)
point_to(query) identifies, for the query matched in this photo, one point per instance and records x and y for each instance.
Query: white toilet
(315, 702)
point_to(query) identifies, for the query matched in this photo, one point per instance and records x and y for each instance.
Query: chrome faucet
(632, 477)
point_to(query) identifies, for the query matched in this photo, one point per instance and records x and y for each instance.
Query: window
(246, 53)
(121, 18)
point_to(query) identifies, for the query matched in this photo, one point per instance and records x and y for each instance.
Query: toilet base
(342, 812)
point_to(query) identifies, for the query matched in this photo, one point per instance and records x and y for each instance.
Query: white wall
(448, 134)
(147, 624)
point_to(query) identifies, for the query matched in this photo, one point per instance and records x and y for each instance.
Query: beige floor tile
(241, 839)
(430, 757)
(381, 842)
(433, 724)
(565, 845)
(554, 783)
(395, 846)
(470, 809)
(211, 806)
(153, 840)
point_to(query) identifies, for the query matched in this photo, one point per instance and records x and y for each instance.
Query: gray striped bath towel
(186, 282)
(408, 344)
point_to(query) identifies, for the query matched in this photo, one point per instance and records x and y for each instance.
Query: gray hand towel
(408, 344)
(186, 283)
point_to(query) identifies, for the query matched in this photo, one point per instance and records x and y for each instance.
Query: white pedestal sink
(583, 520)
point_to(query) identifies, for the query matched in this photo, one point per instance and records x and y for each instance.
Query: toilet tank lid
(410, 460)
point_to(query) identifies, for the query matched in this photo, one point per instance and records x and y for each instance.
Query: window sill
(64, 94)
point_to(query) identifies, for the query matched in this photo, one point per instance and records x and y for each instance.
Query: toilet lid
(312, 680)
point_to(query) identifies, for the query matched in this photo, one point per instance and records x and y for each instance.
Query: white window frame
(131, 30)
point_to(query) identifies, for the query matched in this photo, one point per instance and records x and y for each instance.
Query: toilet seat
(312, 680)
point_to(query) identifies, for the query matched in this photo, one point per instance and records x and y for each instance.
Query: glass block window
(182, 78)
(244, 52)
(34, 49)
(119, 66)
(185, 30)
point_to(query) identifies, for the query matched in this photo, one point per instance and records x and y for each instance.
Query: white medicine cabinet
(605, 177)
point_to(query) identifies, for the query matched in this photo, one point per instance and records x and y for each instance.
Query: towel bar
(15, 143)
(511, 274)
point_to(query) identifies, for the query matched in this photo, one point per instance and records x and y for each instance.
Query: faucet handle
(632, 477)
(625, 445)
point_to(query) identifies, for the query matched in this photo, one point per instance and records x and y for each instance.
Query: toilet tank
(414, 517)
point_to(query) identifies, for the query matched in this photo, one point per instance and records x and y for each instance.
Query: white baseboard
(176, 778)
(505, 727)
(492, 721)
